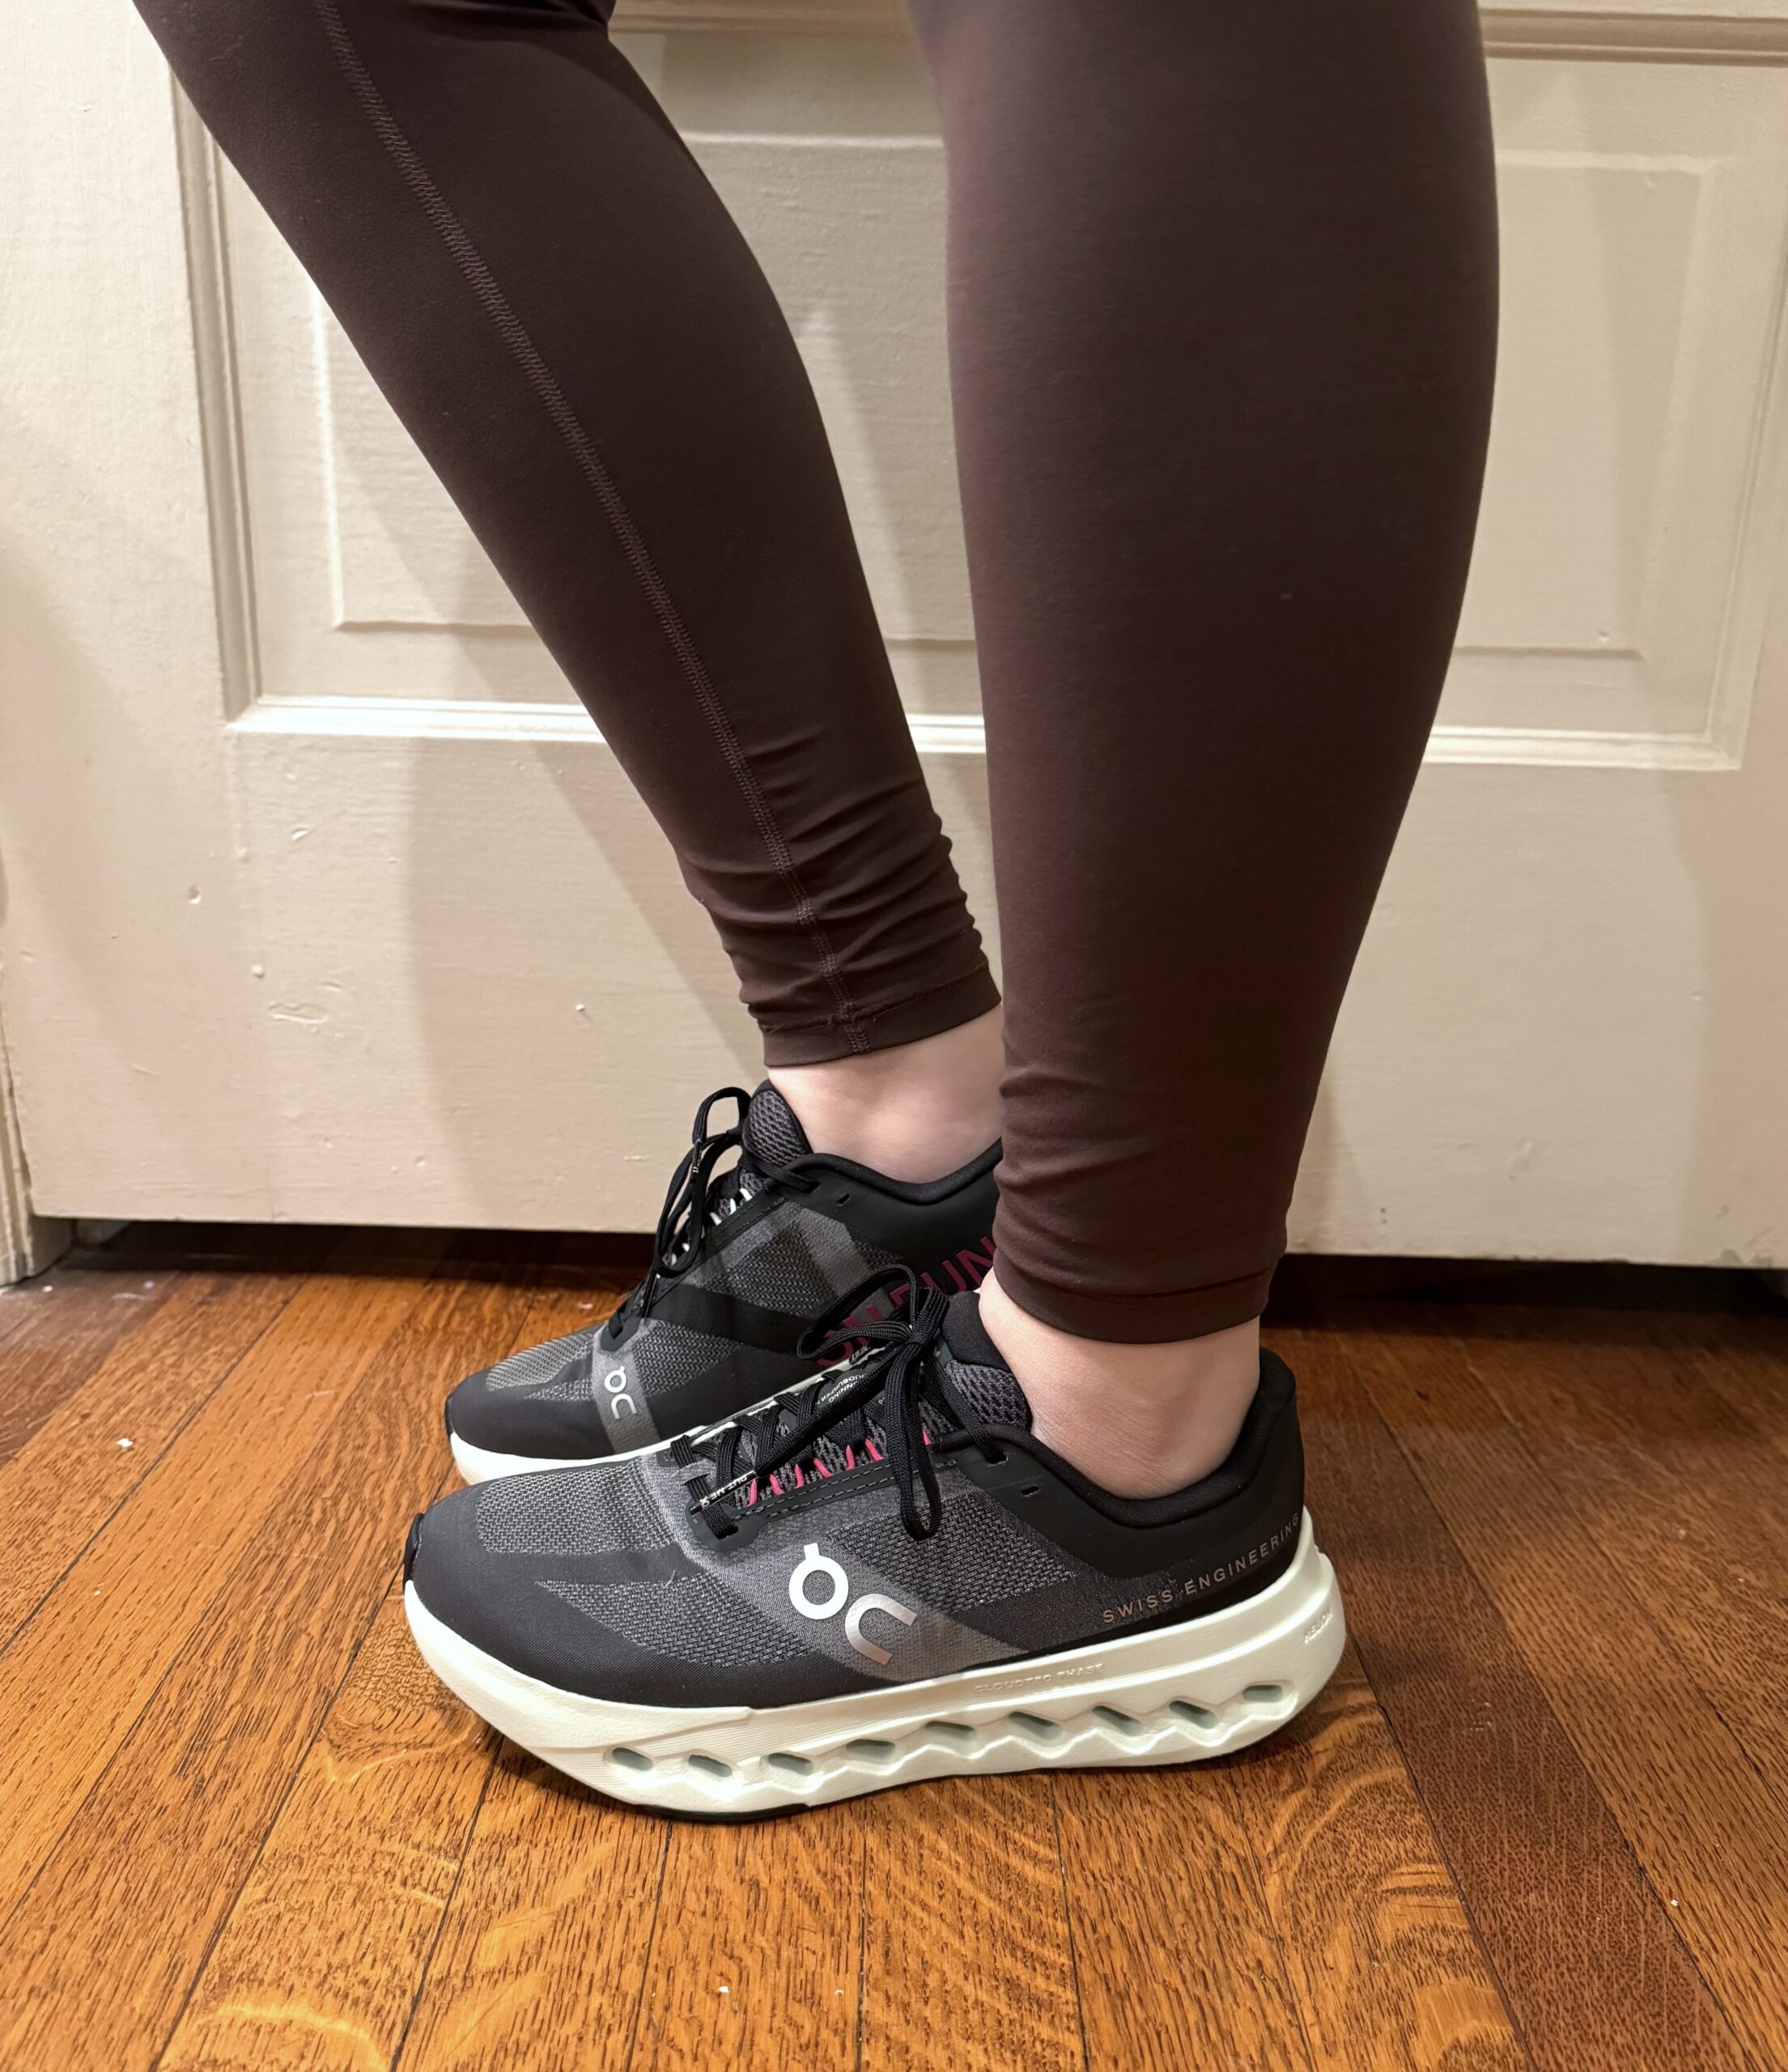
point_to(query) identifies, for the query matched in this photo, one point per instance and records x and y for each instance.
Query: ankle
(1140, 1421)
(915, 1112)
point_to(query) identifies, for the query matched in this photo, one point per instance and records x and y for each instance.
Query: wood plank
(1744, 1360)
(1593, 1973)
(322, 1958)
(538, 1954)
(318, 1964)
(1713, 1838)
(76, 1677)
(548, 1932)
(1680, 1488)
(1385, 1968)
(967, 1958)
(54, 1333)
(97, 1979)
(1176, 1955)
(1553, 1763)
(100, 1443)
(755, 1954)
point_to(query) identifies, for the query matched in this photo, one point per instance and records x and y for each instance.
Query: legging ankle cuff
(905, 1021)
(1137, 1319)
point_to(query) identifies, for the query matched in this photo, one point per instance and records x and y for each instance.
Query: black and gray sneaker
(880, 1577)
(744, 1262)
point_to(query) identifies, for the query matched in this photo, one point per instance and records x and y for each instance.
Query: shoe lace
(890, 1363)
(697, 1201)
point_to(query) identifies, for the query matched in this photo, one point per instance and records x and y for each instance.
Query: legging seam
(582, 448)
(870, 1016)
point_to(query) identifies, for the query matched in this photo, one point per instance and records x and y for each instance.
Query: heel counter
(946, 1238)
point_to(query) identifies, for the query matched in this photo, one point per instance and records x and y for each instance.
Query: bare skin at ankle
(1140, 1421)
(915, 1112)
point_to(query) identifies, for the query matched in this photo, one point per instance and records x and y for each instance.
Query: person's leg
(543, 282)
(1223, 315)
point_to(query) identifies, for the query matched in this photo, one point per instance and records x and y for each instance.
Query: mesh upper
(790, 1259)
(540, 1363)
(772, 1265)
(663, 1354)
(620, 1581)
(981, 1555)
(992, 1394)
(771, 1128)
(689, 1618)
(594, 1510)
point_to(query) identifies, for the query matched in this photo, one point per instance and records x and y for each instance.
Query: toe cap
(555, 1420)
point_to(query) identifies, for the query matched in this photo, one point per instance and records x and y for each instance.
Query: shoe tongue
(975, 1370)
(771, 1129)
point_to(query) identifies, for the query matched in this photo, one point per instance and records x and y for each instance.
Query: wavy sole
(1178, 1694)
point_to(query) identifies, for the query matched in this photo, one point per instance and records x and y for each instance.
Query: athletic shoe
(744, 1263)
(879, 1578)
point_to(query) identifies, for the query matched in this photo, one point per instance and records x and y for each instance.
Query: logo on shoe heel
(821, 1567)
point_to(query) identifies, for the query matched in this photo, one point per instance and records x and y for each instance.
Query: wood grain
(91, 1451)
(1175, 1952)
(1680, 1490)
(967, 1957)
(55, 1330)
(320, 1959)
(185, 1801)
(76, 1677)
(1536, 1820)
(319, 1962)
(544, 1946)
(755, 1956)
(1744, 1360)
(1592, 1970)
(1711, 1835)
(1384, 1965)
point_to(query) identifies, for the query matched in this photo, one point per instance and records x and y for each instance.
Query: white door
(313, 869)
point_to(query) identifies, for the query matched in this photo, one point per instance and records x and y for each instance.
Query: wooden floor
(1540, 1818)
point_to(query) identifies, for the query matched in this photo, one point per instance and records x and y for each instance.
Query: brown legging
(1222, 326)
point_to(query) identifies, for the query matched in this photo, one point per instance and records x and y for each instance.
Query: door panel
(324, 899)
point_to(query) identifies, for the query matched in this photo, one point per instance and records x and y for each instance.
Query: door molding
(28, 1243)
(1737, 35)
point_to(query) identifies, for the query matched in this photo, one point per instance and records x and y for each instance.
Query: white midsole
(1174, 1694)
(478, 1464)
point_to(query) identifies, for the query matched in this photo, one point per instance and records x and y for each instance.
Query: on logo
(615, 1381)
(813, 1562)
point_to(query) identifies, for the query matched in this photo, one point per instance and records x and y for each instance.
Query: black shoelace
(696, 1203)
(892, 1363)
